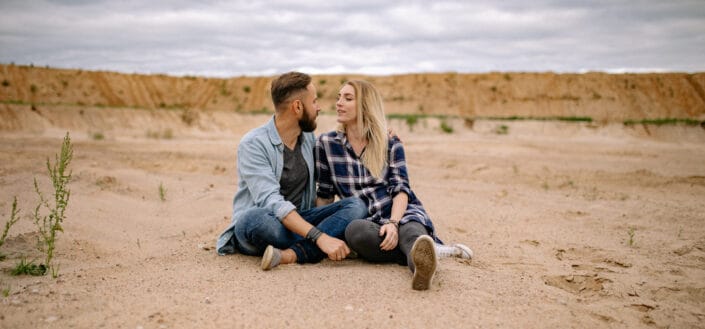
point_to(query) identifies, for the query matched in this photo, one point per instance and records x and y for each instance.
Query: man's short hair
(288, 84)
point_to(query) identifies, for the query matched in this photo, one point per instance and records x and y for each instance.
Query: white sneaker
(465, 251)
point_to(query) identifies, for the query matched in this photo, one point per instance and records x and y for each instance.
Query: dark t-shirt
(294, 176)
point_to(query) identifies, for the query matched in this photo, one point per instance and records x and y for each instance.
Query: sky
(256, 38)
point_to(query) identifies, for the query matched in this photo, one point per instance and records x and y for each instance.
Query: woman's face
(346, 105)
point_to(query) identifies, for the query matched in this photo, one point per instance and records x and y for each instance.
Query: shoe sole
(423, 254)
(267, 258)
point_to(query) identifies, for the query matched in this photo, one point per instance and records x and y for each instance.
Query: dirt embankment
(600, 96)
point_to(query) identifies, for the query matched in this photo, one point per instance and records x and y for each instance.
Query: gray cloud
(228, 38)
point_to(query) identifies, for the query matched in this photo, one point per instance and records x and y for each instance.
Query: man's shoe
(271, 258)
(423, 254)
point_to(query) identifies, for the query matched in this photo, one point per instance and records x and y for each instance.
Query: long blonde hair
(372, 125)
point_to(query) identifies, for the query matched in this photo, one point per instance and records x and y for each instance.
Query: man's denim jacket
(260, 162)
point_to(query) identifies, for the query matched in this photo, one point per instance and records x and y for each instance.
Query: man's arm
(335, 248)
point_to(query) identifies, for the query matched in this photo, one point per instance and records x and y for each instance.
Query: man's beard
(306, 123)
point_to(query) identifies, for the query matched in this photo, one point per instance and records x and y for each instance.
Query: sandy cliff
(600, 96)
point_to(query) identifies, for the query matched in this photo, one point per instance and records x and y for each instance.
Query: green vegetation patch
(664, 121)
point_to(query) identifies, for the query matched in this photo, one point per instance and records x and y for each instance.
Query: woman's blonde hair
(372, 125)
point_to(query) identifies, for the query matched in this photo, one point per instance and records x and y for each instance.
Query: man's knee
(256, 219)
(356, 207)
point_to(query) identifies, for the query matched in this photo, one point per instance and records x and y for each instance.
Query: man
(273, 212)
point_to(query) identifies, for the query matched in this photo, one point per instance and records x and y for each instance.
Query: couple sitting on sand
(378, 217)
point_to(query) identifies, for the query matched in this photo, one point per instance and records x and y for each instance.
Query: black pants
(363, 237)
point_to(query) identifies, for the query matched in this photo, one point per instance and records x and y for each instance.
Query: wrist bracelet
(393, 222)
(313, 234)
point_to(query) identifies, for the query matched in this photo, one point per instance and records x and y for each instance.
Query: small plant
(162, 192)
(28, 268)
(411, 121)
(6, 291)
(322, 82)
(33, 88)
(167, 134)
(98, 136)
(501, 130)
(13, 219)
(446, 128)
(5, 83)
(631, 233)
(50, 224)
(246, 89)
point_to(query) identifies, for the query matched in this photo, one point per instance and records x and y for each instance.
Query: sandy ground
(548, 209)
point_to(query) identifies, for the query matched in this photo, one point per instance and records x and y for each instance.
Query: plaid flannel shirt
(340, 172)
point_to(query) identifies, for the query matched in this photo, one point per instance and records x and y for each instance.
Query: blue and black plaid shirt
(340, 172)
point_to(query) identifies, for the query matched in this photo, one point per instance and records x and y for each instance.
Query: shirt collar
(274, 137)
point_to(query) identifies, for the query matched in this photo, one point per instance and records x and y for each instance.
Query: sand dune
(600, 96)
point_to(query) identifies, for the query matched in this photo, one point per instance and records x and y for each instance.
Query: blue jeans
(258, 228)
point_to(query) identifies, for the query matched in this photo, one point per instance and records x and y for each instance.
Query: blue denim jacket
(260, 162)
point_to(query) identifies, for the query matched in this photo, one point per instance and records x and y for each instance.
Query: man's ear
(299, 105)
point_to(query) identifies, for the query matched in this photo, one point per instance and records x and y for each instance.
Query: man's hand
(336, 249)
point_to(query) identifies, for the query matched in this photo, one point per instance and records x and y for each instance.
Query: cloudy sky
(232, 38)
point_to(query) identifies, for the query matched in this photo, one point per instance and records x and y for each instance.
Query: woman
(359, 159)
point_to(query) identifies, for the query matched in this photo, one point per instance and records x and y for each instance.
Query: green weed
(98, 136)
(28, 268)
(446, 128)
(13, 219)
(162, 192)
(6, 291)
(501, 130)
(521, 118)
(631, 232)
(49, 225)
(411, 121)
(664, 121)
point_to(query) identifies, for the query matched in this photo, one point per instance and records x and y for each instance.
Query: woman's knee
(358, 231)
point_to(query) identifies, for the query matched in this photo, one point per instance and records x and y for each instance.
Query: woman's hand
(390, 232)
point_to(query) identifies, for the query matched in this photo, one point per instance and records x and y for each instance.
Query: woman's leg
(408, 233)
(363, 237)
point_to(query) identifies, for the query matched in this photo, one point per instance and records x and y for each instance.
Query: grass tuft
(162, 192)
(28, 268)
(446, 128)
(98, 136)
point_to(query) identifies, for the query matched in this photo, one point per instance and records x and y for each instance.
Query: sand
(547, 207)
